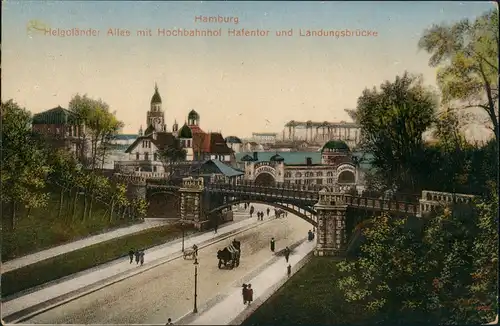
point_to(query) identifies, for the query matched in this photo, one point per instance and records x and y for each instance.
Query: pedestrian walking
(215, 228)
(251, 211)
(131, 255)
(272, 244)
(244, 294)
(250, 293)
(268, 210)
(289, 270)
(137, 256)
(169, 322)
(287, 253)
(142, 257)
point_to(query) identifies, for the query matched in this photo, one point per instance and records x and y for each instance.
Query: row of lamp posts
(195, 308)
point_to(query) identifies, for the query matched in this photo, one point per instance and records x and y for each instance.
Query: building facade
(144, 151)
(61, 129)
(336, 167)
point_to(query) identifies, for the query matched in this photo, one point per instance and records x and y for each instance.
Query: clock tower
(155, 116)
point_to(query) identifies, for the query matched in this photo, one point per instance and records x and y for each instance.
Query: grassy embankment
(85, 258)
(310, 297)
(42, 228)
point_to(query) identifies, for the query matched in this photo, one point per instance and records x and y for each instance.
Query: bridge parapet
(193, 183)
(432, 200)
(130, 178)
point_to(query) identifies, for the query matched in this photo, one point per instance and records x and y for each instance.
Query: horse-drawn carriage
(230, 256)
(191, 253)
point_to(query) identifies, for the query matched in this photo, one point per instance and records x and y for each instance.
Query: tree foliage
(24, 161)
(31, 169)
(441, 271)
(101, 126)
(467, 56)
(393, 120)
(171, 155)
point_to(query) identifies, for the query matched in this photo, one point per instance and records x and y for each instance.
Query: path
(113, 269)
(231, 308)
(167, 290)
(72, 246)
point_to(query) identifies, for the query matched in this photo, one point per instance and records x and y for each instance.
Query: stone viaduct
(323, 207)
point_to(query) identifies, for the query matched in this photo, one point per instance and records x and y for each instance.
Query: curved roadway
(167, 291)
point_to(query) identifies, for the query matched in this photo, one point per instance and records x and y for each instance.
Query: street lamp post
(195, 308)
(182, 226)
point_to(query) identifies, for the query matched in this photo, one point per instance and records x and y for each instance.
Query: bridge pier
(331, 230)
(191, 202)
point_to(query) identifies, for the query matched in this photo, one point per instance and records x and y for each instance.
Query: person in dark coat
(250, 293)
(131, 255)
(272, 244)
(287, 254)
(268, 210)
(289, 270)
(251, 211)
(244, 294)
(142, 257)
(137, 256)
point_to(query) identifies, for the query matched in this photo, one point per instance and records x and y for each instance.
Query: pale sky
(234, 83)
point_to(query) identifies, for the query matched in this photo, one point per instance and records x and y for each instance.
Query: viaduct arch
(293, 209)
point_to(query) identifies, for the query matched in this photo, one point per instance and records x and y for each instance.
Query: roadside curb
(262, 299)
(190, 316)
(42, 307)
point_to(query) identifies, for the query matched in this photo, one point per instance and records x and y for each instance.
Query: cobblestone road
(167, 291)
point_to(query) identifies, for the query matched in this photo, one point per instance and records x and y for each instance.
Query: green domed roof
(185, 132)
(277, 158)
(156, 96)
(193, 115)
(233, 140)
(336, 146)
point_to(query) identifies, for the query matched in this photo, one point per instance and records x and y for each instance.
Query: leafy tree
(101, 126)
(441, 269)
(64, 167)
(484, 288)
(393, 121)
(24, 167)
(467, 55)
(172, 155)
(388, 276)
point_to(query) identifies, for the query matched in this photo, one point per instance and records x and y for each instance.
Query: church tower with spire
(155, 117)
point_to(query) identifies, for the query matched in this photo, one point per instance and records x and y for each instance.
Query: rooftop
(299, 158)
(222, 168)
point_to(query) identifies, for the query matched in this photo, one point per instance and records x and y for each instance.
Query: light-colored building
(264, 137)
(234, 143)
(143, 152)
(333, 166)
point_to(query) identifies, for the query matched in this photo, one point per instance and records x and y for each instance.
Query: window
(137, 156)
(298, 175)
(319, 174)
(146, 156)
(143, 144)
(288, 174)
(329, 174)
(329, 181)
(154, 168)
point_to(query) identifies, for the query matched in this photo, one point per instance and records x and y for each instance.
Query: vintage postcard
(239, 162)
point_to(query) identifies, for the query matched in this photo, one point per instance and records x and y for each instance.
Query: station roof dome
(185, 132)
(277, 158)
(247, 158)
(335, 146)
(233, 140)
